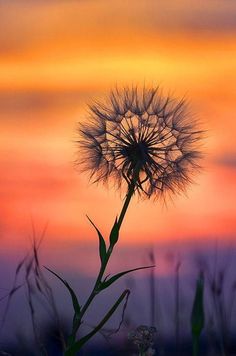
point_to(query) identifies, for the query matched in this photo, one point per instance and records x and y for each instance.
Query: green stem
(131, 189)
(126, 203)
(96, 290)
(195, 345)
(78, 344)
(103, 266)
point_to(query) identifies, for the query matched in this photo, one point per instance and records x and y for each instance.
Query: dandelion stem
(126, 204)
(131, 189)
(97, 284)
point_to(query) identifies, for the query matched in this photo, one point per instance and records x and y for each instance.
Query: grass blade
(114, 235)
(72, 293)
(106, 283)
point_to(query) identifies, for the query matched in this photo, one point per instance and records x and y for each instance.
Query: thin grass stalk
(196, 342)
(214, 289)
(152, 290)
(177, 300)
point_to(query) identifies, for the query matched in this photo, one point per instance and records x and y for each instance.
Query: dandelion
(149, 142)
(142, 138)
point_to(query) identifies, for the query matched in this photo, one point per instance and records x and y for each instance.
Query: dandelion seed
(141, 138)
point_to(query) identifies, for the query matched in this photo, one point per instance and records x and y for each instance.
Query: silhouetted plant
(30, 276)
(142, 140)
(198, 315)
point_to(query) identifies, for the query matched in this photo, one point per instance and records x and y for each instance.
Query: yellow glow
(81, 49)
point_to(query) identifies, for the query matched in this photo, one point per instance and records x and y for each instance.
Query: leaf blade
(197, 315)
(78, 344)
(106, 283)
(114, 235)
(74, 298)
(102, 243)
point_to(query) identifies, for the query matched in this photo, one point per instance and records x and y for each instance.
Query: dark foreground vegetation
(171, 312)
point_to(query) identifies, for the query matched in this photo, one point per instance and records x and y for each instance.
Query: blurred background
(58, 56)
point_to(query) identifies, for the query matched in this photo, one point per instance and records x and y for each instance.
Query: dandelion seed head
(140, 136)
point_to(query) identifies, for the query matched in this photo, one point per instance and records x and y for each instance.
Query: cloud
(38, 101)
(213, 15)
(42, 24)
(228, 159)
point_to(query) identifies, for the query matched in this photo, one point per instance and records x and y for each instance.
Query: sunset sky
(55, 57)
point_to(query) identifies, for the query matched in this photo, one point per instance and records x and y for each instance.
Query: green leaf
(102, 243)
(107, 282)
(114, 235)
(78, 344)
(75, 302)
(197, 317)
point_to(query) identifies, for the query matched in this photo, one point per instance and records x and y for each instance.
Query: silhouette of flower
(143, 338)
(142, 137)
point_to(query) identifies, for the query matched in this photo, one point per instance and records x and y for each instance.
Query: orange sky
(58, 55)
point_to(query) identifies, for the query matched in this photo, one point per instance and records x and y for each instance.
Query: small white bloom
(150, 352)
